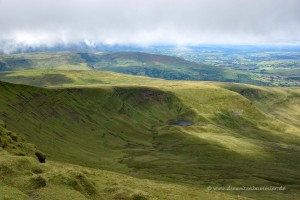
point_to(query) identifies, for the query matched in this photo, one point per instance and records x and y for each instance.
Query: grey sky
(151, 21)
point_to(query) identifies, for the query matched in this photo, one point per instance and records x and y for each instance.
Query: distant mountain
(135, 63)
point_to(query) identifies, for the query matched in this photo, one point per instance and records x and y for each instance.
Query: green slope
(134, 63)
(92, 116)
(22, 177)
(120, 123)
(26, 179)
(280, 103)
(14, 144)
(71, 78)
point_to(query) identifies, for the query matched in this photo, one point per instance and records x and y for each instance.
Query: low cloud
(143, 22)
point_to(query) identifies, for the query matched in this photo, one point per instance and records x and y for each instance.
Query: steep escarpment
(95, 124)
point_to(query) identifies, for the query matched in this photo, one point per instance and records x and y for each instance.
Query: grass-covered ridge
(120, 123)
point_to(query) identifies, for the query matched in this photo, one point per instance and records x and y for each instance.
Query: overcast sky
(181, 22)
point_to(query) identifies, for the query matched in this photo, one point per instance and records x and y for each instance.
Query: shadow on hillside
(39, 81)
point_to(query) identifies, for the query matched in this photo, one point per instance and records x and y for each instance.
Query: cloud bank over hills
(47, 22)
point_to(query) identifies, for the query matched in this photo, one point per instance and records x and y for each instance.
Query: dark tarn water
(181, 123)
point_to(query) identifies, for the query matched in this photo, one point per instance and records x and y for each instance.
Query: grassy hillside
(14, 144)
(71, 78)
(24, 178)
(120, 123)
(134, 63)
(280, 103)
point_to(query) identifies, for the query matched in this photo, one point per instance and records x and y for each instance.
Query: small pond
(181, 123)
